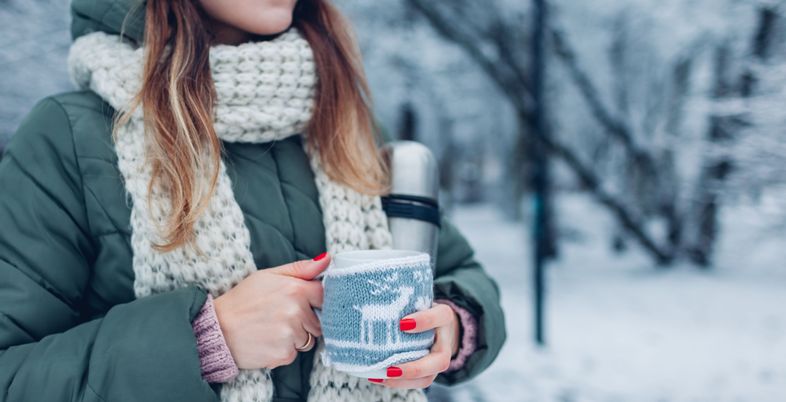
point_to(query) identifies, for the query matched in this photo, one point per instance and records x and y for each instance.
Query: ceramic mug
(366, 293)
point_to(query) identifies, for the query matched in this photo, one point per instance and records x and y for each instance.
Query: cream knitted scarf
(265, 93)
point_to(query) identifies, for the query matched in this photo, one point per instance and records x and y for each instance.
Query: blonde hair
(184, 150)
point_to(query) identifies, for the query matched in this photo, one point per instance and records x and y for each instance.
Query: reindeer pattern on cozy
(361, 313)
(388, 314)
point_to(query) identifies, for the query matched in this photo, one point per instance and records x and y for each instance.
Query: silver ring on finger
(308, 345)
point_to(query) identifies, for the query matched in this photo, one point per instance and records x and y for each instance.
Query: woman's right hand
(266, 316)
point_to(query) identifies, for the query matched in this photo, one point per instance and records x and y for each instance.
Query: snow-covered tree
(634, 100)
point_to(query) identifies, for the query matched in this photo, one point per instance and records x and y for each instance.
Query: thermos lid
(413, 169)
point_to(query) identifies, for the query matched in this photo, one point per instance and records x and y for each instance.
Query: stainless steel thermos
(412, 206)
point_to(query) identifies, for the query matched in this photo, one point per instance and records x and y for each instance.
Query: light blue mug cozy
(362, 307)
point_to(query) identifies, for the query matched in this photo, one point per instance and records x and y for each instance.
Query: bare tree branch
(592, 183)
(614, 126)
(509, 76)
(502, 74)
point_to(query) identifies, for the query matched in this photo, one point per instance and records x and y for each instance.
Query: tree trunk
(721, 134)
(508, 76)
(408, 123)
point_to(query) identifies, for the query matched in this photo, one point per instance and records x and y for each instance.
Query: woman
(157, 226)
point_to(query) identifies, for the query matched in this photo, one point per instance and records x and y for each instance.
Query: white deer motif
(422, 303)
(388, 314)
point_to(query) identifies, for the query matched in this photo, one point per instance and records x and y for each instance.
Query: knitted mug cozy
(265, 92)
(363, 302)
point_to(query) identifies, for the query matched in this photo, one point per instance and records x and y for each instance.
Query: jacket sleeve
(462, 280)
(144, 350)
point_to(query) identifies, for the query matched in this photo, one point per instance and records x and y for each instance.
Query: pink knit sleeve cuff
(468, 343)
(214, 355)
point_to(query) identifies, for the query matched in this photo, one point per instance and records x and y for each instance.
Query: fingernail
(321, 256)
(406, 324)
(394, 371)
(375, 380)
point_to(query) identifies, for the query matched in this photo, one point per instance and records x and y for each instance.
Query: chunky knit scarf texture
(265, 92)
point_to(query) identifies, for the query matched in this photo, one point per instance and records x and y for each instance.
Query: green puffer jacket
(70, 326)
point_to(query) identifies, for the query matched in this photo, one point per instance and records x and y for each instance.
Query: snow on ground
(621, 330)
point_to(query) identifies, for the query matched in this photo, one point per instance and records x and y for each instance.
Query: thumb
(303, 269)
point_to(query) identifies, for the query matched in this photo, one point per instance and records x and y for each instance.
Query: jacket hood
(110, 16)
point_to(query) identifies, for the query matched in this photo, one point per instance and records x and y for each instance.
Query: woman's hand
(422, 372)
(267, 315)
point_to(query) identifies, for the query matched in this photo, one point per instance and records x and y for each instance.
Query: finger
(311, 323)
(442, 338)
(304, 269)
(430, 364)
(418, 383)
(302, 338)
(437, 316)
(313, 292)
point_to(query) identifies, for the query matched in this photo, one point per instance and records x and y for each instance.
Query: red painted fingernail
(406, 324)
(375, 380)
(321, 256)
(394, 371)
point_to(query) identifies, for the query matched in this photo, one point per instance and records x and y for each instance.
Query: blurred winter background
(644, 141)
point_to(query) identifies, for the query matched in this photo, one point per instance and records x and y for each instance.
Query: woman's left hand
(422, 372)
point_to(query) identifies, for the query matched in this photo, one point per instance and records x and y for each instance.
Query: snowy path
(619, 330)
